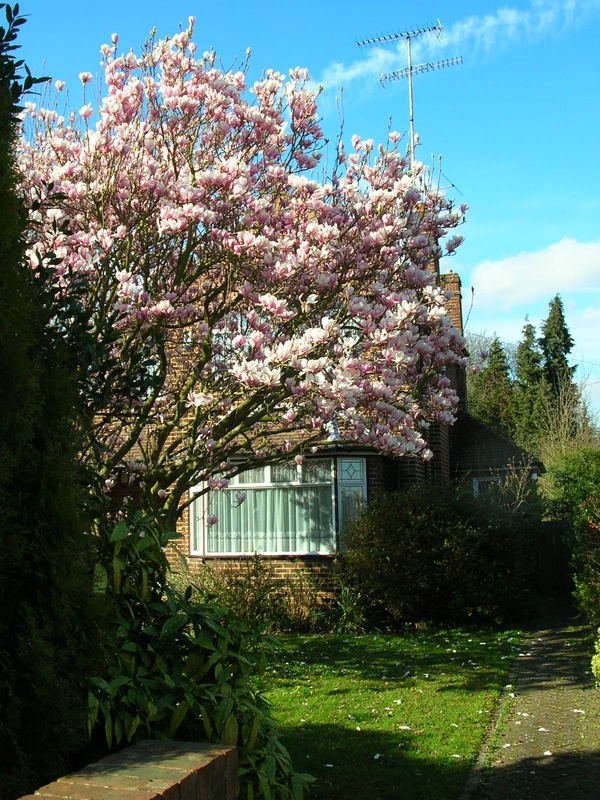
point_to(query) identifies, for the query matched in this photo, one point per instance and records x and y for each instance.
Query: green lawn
(381, 717)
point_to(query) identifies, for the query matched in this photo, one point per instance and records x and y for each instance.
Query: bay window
(279, 509)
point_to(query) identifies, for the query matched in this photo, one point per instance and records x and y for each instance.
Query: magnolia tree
(240, 303)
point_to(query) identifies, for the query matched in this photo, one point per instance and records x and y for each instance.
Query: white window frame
(340, 485)
(198, 521)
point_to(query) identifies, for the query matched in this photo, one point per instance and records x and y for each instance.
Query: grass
(379, 716)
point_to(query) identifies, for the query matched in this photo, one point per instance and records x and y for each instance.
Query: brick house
(295, 515)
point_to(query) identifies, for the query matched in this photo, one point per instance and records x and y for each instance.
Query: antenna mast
(409, 71)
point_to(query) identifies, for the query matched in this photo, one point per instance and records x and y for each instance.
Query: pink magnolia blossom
(249, 294)
(85, 112)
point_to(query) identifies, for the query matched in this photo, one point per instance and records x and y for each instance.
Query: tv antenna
(411, 70)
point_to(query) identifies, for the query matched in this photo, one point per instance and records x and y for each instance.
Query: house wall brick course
(320, 568)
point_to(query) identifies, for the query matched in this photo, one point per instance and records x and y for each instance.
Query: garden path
(546, 743)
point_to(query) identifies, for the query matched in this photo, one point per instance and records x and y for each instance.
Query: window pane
(351, 503)
(486, 485)
(317, 471)
(284, 473)
(351, 470)
(287, 519)
(256, 475)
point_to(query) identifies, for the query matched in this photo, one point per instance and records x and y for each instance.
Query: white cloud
(376, 61)
(489, 33)
(507, 26)
(563, 267)
(590, 314)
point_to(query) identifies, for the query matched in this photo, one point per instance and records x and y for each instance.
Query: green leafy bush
(179, 668)
(572, 486)
(440, 554)
(347, 611)
(586, 559)
(596, 660)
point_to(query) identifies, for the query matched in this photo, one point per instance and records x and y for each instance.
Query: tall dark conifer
(529, 388)
(556, 343)
(46, 608)
(490, 391)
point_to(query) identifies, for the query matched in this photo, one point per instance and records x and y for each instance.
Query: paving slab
(546, 743)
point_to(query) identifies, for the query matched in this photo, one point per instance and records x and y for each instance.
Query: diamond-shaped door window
(351, 470)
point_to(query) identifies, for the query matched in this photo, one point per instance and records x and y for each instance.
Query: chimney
(450, 282)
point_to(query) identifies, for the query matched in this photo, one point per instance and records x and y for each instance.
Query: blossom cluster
(266, 302)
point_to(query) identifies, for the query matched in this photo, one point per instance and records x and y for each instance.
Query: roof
(477, 448)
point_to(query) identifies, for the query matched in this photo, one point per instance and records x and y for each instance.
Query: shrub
(596, 661)
(248, 588)
(440, 555)
(252, 591)
(179, 668)
(586, 559)
(48, 614)
(572, 485)
(347, 611)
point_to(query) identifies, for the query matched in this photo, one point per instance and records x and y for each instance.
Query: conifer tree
(47, 634)
(556, 343)
(491, 393)
(530, 387)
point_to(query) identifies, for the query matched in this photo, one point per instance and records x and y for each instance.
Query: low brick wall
(285, 568)
(152, 770)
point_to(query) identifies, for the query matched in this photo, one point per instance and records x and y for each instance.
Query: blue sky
(516, 124)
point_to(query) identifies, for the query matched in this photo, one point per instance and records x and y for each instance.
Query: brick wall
(153, 770)
(438, 439)
(321, 568)
(409, 470)
(458, 376)
(381, 475)
(450, 282)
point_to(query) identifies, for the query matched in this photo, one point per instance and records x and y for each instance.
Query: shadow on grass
(467, 660)
(362, 765)
(344, 764)
(470, 660)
